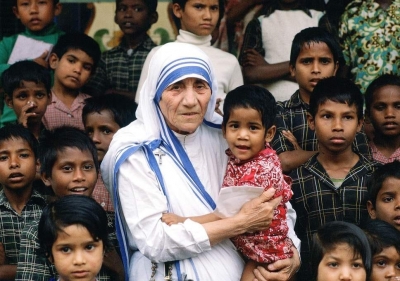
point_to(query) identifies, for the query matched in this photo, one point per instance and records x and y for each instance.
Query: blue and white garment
(187, 182)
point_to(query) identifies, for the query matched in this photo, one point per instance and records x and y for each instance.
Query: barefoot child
(248, 128)
(73, 234)
(340, 252)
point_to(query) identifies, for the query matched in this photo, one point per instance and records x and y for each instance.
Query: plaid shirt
(102, 196)
(118, 70)
(58, 114)
(33, 264)
(292, 116)
(12, 223)
(317, 201)
(382, 159)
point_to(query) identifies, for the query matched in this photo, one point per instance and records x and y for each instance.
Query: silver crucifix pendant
(160, 154)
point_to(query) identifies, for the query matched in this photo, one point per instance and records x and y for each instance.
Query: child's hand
(253, 58)
(26, 112)
(290, 137)
(217, 104)
(42, 59)
(170, 219)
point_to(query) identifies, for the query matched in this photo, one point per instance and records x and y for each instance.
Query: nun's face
(184, 104)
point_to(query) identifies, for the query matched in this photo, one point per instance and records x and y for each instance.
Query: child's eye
(3, 157)
(306, 61)
(214, 8)
(325, 61)
(348, 117)
(107, 131)
(326, 116)
(90, 247)
(22, 96)
(87, 67)
(380, 263)
(358, 265)
(234, 126)
(379, 107)
(198, 7)
(24, 155)
(65, 249)
(67, 168)
(333, 264)
(398, 266)
(138, 9)
(87, 167)
(388, 199)
(253, 128)
(40, 95)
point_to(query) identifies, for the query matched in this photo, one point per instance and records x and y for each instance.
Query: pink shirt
(58, 114)
(379, 157)
(102, 196)
(264, 170)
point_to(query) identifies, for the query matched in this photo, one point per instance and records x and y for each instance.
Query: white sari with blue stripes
(187, 182)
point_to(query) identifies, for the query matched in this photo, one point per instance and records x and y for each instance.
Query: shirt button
(103, 204)
(69, 115)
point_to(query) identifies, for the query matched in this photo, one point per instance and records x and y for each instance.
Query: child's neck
(134, 40)
(386, 145)
(35, 129)
(338, 165)
(67, 96)
(305, 96)
(18, 197)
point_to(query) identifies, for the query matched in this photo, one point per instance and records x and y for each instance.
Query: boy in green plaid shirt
(332, 184)
(19, 203)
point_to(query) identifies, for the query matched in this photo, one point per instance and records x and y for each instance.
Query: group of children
(315, 137)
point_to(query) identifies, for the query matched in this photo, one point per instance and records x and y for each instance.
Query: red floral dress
(264, 170)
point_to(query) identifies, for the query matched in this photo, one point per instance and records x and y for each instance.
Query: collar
(35, 197)
(295, 101)
(146, 44)
(50, 29)
(191, 38)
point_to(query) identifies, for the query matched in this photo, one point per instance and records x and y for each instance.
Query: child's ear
(292, 70)
(336, 68)
(177, 10)
(9, 101)
(153, 18)
(53, 61)
(57, 9)
(37, 165)
(49, 98)
(269, 135)
(46, 180)
(224, 131)
(371, 210)
(15, 11)
(311, 121)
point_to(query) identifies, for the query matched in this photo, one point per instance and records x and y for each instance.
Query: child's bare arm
(42, 59)
(170, 218)
(7, 271)
(293, 159)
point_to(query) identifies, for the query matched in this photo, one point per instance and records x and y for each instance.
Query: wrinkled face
(17, 164)
(74, 172)
(314, 62)
(385, 111)
(76, 255)
(132, 17)
(184, 104)
(385, 265)
(341, 264)
(73, 70)
(101, 128)
(36, 14)
(245, 133)
(387, 205)
(198, 16)
(30, 99)
(335, 125)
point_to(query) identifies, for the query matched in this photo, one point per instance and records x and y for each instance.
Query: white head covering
(171, 63)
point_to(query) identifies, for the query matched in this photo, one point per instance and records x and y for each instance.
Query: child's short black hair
(55, 2)
(382, 235)
(78, 41)
(25, 71)
(57, 140)
(182, 3)
(389, 170)
(251, 96)
(381, 81)
(333, 233)
(150, 4)
(17, 131)
(72, 210)
(336, 89)
(315, 35)
(121, 107)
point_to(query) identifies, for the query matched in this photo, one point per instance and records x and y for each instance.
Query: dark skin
(256, 69)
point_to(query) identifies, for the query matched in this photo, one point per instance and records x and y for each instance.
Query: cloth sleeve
(143, 204)
(6, 46)
(32, 264)
(291, 221)
(280, 143)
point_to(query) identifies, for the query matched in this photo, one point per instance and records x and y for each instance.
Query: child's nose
(79, 258)
(33, 7)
